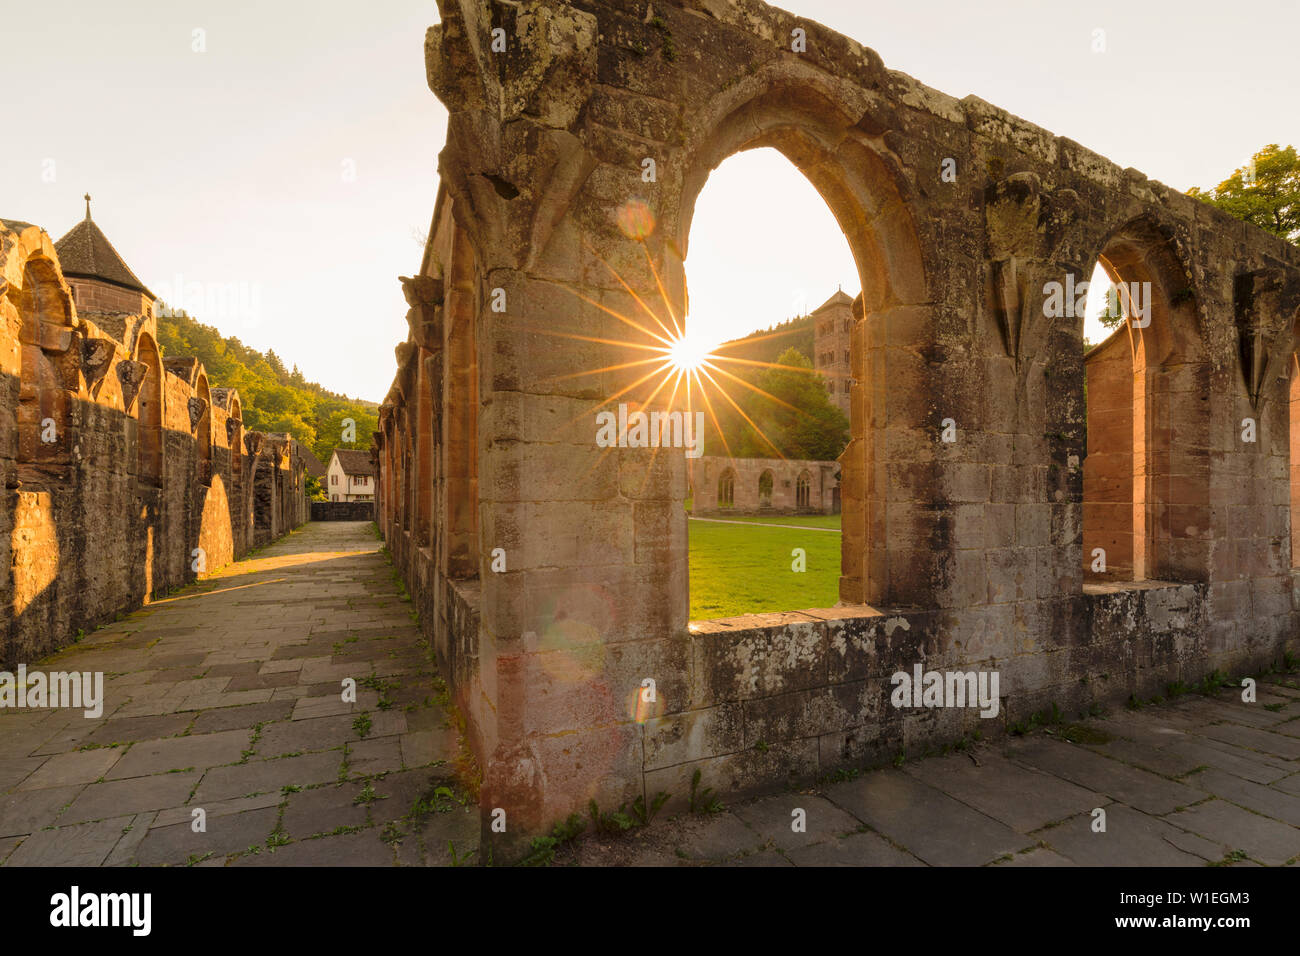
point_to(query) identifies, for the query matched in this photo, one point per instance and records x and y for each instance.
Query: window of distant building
(727, 489)
(803, 490)
(334, 479)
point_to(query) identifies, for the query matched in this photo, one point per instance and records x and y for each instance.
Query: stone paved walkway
(226, 697)
(1198, 781)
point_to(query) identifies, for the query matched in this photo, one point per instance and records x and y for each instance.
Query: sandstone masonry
(125, 474)
(965, 554)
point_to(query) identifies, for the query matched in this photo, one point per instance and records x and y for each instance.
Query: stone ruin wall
(703, 474)
(963, 555)
(85, 534)
(342, 510)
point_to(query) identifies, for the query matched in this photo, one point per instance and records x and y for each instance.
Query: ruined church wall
(963, 486)
(706, 471)
(427, 462)
(84, 537)
(278, 490)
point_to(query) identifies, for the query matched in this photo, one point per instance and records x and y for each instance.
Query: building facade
(350, 476)
(832, 343)
(758, 485)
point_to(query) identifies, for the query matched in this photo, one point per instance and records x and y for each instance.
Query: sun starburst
(687, 353)
(682, 369)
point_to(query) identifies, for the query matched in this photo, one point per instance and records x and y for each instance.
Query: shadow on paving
(225, 698)
(225, 739)
(1202, 781)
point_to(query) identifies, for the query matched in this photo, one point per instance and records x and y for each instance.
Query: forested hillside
(786, 410)
(766, 345)
(274, 398)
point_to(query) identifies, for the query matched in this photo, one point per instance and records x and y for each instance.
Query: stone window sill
(776, 619)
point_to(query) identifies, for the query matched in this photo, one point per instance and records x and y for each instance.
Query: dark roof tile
(85, 252)
(839, 298)
(355, 461)
(314, 467)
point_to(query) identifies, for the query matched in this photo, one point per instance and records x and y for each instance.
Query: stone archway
(44, 336)
(727, 489)
(149, 416)
(1142, 489)
(578, 224)
(561, 236)
(814, 123)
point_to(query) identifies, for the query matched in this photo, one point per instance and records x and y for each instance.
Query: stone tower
(832, 334)
(100, 280)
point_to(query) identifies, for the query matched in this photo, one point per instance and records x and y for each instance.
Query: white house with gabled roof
(350, 476)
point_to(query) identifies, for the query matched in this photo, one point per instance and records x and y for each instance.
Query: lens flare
(636, 220)
(678, 369)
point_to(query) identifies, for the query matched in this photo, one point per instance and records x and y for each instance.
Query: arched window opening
(1293, 407)
(727, 489)
(149, 415)
(797, 391)
(405, 424)
(429, 367)
(43, 402)
(388, 476)
(1114, 486)
(235, 435)
(459, 547)
(1145, 495)
(203, 431)
(785, 188)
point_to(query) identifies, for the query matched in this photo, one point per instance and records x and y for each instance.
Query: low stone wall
(762, 485)
(782, 698)
(342, 511)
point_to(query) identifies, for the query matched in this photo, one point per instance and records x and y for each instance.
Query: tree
(331, 429)
(273, 400)
(277, 367)
(794, 413)
(1265, 193)
(1112, 310)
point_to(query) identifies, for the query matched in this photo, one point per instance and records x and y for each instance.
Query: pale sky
(284, 173)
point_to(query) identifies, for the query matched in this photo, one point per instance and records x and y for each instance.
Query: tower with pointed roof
(832, 338)
(100, 280)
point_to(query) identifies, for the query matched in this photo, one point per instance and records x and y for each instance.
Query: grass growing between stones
(465, 768)
(604, 823)
(1236, 856)
(1054, 723)
(746, 568)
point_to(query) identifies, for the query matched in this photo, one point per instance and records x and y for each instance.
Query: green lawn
(742, 570)
(803, 521)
